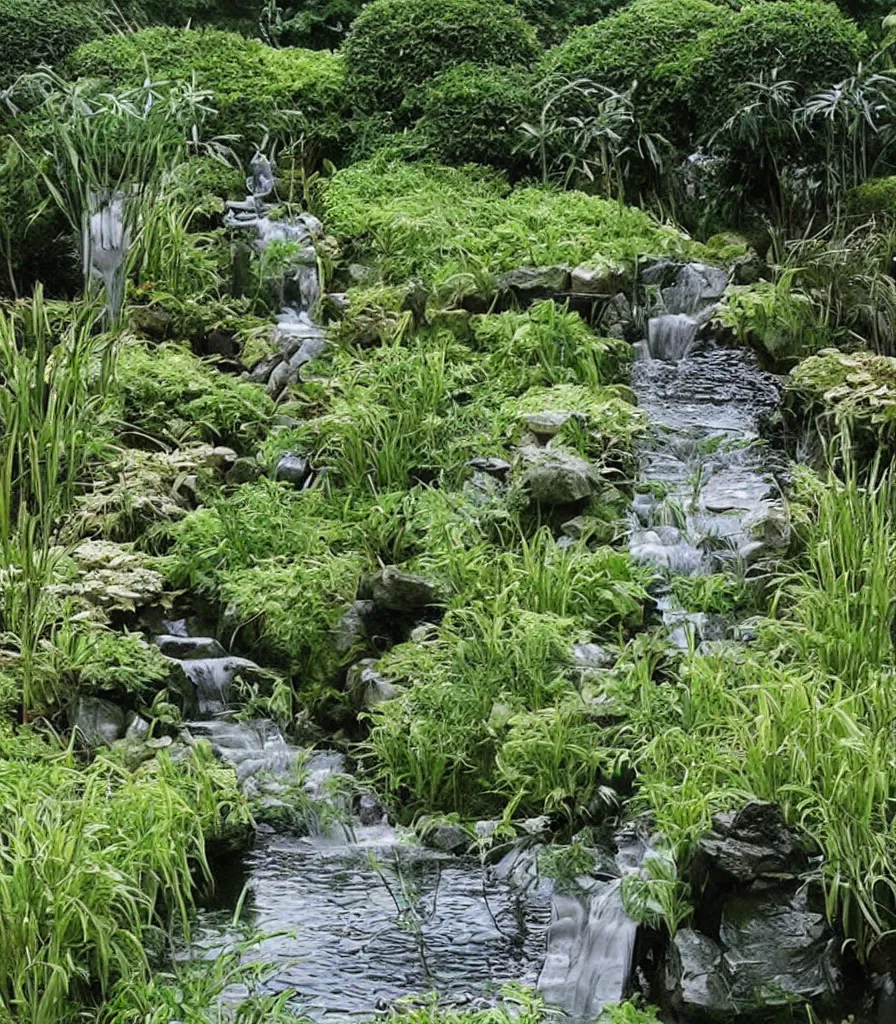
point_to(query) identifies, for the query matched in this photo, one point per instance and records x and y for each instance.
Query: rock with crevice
(367, 687)
(530, 283)
(747, 844)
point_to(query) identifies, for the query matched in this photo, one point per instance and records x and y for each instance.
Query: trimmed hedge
(34, 32)
(635, 45)
(251, 83)
(473, 114)
(805, 41)
(396, 46)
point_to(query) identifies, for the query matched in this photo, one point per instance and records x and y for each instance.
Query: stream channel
(358, 915)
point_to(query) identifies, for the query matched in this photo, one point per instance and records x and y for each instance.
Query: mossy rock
(874, 198)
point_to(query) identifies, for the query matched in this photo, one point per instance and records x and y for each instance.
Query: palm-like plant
(600, 147)
(856, 116)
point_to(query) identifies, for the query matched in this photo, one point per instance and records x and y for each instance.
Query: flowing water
(105, 243)
(357, 923)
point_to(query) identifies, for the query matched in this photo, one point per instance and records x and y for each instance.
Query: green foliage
(93, 862)
(52, 419)
(546, 345)
(442, 739)
(555, 19)
(254, 88)
(287, 563)
(167, 391)
(457, 228)
(100, 660)
(778, 315)
(874, 198)
(802, 718)
(518, 1005)
(716, 594)
(853, 393)
(472, 113)
(806, 42)
(637, 44)
(319, 25)
(396, 46)
(44, 31)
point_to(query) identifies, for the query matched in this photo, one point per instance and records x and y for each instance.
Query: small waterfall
(105, 242)
(671, 336)
(590, 948)
(297, 337)
(212, 679)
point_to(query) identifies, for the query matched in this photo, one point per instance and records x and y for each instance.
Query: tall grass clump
(53, 391)
(804, 718)
(102, 157)
(94, 863)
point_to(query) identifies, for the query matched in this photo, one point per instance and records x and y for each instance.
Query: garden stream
(355, 914)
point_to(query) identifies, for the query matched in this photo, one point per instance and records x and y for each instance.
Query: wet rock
(555, 477)
(367, 687)
(617, 318)
(244, 471)
(777, 950)
(548, 424)
(659, 272)
(745, 845)
(97, 722)
(398, 591)
(292, 469)
(768, 526)
(447, 838)
(591, 658)
(370, 811)
(137, 727)
(186, 647)
(693, 975)
(491, 466)
(695, 286)
(605, 280)
(219, 458)
(355, 627)
(540, 826)
(486, 829)
(531, 283)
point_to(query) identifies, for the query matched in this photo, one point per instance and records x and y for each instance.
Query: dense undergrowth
(138, 462)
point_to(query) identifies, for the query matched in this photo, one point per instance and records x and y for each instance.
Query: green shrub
(34, 32)
(169, 392)
(397, 46)
(441, 739)
(472, 114)
(253, 86)
(458, 228)
(637, 44)
(93, 862)
(98, 660)
(555, 19)
(803, 41)
(286, 562)
(319, 24)
(876, 197)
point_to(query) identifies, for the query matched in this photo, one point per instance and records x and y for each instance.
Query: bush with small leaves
(472, 114)
(807, 42)
(637, 44)
(396, 46)
(254, 87)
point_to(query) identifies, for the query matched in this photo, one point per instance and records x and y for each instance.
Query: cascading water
(707, 499)
(297, 337)
(105, 244)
